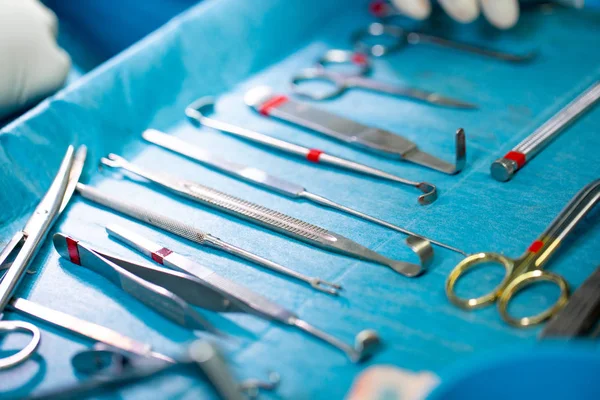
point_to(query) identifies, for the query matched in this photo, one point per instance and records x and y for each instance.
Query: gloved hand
(31, 63)
(501, 13)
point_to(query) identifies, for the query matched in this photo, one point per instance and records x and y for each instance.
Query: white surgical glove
(501, 13)
(32, 65)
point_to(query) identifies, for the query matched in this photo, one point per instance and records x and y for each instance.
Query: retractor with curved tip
(429, 193)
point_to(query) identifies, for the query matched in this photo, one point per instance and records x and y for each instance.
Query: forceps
(263, 100)
(504, 168)
(528, 269)
(199, 237)
(344, 81)
(119, 272)
(401, 37)
(31, 239)
(195, 112)
(270, 182)
(276, 221)
(205, 288)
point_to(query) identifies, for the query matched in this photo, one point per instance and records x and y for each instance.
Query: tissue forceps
(228, 295)
(276, 221)
(264, 180)
(31, 239)
(504, 168)
(528, 269)
(123, 274)
(401, 37)
(344, 81)
(195, 112)
(199, 237)
(373, 140)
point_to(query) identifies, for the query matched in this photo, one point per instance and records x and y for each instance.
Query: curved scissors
(528, 269)
(31, 238)
(342, 81)
(400, 37)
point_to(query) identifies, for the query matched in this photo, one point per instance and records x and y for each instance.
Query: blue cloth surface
(223, 49)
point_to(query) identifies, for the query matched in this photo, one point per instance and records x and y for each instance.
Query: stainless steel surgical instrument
(264, 180)
(119, 273)
(504, 168)
(528, 269)
(238, 170)
(203, 283)
(31, 239)
(120, 345)
(344, 81)
(374, 140)
(199, 237)
(196, 111)
(401, 37)
(272, 219)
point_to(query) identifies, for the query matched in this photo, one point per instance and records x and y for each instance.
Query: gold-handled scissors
(528, 269)
(360, 67)
(31, 239)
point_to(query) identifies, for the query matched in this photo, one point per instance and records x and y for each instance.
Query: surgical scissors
(401, 37)
(197, 110)
(276, 221)
(504, 168)
(31, 238)
(374, 140)
(270, 182)
(344, 81)
(199, 237)
(528, 269)
(205, 288)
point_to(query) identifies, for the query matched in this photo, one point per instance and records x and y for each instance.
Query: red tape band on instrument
(378, 8)
(313, 155)
(159, 255)
(273, 102)
(536, 246)
(359, 59)
(517, 157)
(73, 250)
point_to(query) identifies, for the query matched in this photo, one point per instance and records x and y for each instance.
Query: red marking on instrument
(273, 102)
(73, 250)
(359, 59)
(160, 255)
(517, 157)
(313, 155)
(536, 246)
(378, 8)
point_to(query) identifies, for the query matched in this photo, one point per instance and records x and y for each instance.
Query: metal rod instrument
(504, 168)
(31, 239)
(366, 138)
(205, 288)
(199, 237)
(401, 37)
(197, 113)
(528, 269)
(342, 81)
(274, 220)
(264, 180)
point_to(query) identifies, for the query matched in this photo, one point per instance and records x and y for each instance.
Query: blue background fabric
(223, 48)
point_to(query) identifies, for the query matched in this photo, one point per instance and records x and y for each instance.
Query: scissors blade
(75, 174)
(36, 229)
